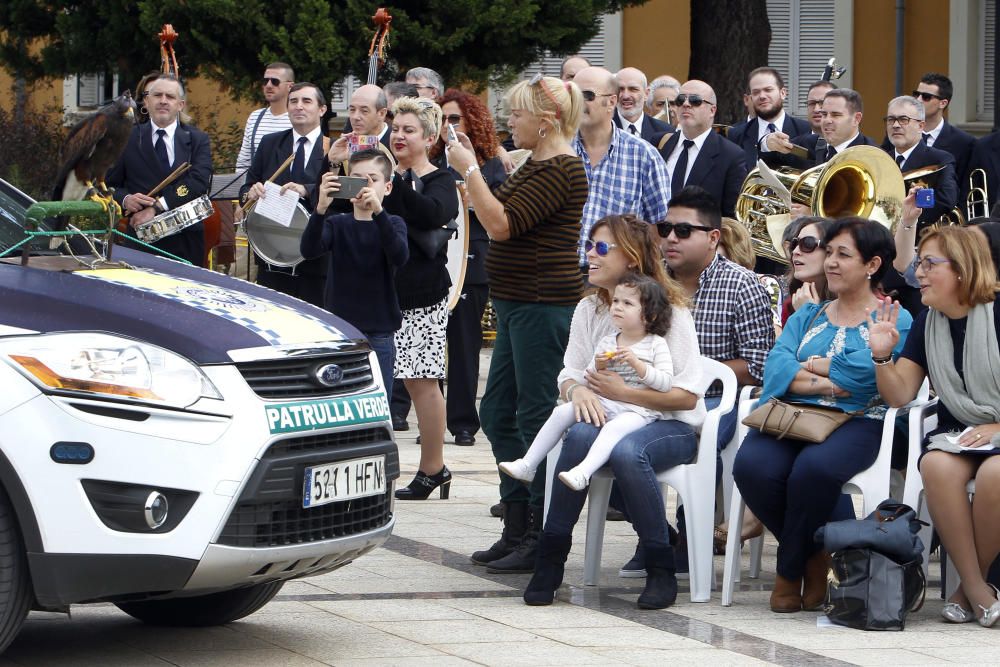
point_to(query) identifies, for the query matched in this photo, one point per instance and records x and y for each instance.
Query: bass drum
(458, 252)
(273, 242)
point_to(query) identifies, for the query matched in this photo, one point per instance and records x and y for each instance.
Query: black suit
(986, 156)
(652, 129)
(719, 169)
(138, 170)
(310, 276)
(745, 135)
(946, 187)
(952, 140)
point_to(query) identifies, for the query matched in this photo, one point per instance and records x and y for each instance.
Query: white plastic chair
(872, 483)
(694, 483)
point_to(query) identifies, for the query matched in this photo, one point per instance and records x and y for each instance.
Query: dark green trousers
(521, 386)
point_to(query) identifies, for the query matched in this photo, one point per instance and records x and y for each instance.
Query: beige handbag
(796, 421)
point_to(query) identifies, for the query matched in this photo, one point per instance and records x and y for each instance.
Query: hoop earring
(541, 133)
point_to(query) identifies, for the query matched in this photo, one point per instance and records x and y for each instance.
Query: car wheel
(15, 582)
(203, 610)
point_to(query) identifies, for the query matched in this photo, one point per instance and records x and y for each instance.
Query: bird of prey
(93, 145)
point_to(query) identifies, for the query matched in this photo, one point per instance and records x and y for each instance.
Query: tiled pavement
(420, 601)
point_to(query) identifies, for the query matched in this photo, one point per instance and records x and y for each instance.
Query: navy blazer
(955, 141)
(985, 156)
(744, 134)
(719, 169)
(273, 150)
(139, 170)
(652, 128)
(946, 187)
(808, 141)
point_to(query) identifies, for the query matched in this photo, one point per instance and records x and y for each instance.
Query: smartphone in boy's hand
(350, 186)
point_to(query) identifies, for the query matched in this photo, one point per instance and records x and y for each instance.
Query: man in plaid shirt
(625, 173)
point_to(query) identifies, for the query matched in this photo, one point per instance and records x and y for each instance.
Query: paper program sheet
(277, 207)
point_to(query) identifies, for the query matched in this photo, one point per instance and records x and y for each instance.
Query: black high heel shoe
(423, 485)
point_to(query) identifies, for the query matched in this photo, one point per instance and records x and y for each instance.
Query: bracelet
(910, 227)
(569, 393)
(882, 361)
(468, 172)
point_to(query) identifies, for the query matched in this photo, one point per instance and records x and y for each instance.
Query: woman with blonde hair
(425, 197)
(954, 343)
(533, 221)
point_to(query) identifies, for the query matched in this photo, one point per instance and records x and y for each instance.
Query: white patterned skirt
(420, 342)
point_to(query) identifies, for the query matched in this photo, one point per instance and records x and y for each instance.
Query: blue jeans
(384, 347)
(795, 487)
(635, 461)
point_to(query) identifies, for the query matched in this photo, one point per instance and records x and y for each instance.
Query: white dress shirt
(168, 139)
(699, 141)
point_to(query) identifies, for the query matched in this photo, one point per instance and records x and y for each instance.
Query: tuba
(860, 181)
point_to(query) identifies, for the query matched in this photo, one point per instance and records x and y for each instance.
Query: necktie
(160, 148)
(680, 169)
(771, 127)
(299, 163)
(900, 160)
(926, 138)
(830, 152)
(631, 128)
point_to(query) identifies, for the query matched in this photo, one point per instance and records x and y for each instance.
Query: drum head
(458, 253)
(276, 244)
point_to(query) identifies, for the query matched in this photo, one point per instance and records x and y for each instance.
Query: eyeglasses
(453, 118)
(928, 263)
(659, 104)
(600, 247)
(925, 96)
(539, 80)
(813, 103)
(902, 120)
(273, 80)
(681, 229)
(590, 96)
(693, 100)
(806, 244)
(424, 86)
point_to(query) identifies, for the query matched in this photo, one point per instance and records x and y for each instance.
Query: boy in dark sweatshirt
(366, 247)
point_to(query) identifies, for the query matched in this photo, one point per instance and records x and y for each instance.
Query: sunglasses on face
(926, 97)
(590, 96)
(600, 247)
(693, 100)
(806, 244)
(681, 229)
(453, 118)
(274, 81)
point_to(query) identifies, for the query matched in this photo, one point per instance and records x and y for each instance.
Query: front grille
(311, 443)
(286, 523)
(296, 377)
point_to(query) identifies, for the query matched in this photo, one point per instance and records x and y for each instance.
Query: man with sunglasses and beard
(624, 172)
(277, 81)
(766, 92)
(699, 156)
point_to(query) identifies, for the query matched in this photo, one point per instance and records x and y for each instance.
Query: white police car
(175, 441)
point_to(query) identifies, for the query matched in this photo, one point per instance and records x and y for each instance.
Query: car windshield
(13, 206)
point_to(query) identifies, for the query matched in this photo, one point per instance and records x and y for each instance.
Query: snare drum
(176, 220)
(273, 242)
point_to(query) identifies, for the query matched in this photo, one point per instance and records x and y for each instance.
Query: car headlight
(105, 365)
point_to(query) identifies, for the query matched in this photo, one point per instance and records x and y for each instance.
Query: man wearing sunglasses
(766, 92)
(935, 92)
(699, 156)
(630, 114)
(904, 123)
(277, 81)
(625, 174)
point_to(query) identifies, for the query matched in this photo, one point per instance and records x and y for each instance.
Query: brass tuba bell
(860, 181)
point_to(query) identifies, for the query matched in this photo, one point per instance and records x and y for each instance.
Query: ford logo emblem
(329, 375)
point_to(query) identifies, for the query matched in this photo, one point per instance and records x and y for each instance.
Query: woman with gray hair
(425, 197)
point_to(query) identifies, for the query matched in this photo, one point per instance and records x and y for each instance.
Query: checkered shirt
(732, 315)
(631, 178)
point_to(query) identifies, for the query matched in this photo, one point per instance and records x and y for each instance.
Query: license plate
(343, 480)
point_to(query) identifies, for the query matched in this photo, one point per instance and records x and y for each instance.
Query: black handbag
(429, 241)
(876, 578)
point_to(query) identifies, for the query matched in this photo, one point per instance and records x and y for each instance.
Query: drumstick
(184, 166)
(283, 167)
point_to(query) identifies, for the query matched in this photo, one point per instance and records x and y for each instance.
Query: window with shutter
(89, 89)
(987, 45)
(802, 41)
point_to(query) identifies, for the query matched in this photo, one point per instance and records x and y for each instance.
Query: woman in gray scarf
(954, 342)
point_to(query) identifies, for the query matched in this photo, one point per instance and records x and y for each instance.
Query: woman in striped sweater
(533, 221)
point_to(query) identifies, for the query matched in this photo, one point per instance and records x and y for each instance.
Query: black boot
(661, 580)
(522, 559)
(515, 522)
(549, 566)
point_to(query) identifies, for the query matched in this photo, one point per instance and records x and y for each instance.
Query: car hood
(194, 312)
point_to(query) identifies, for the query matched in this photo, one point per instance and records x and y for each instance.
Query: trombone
(977, 202)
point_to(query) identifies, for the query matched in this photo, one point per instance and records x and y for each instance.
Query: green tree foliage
(472, 41)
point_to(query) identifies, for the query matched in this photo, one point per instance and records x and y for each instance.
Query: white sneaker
(518, 470)
(574, 479)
